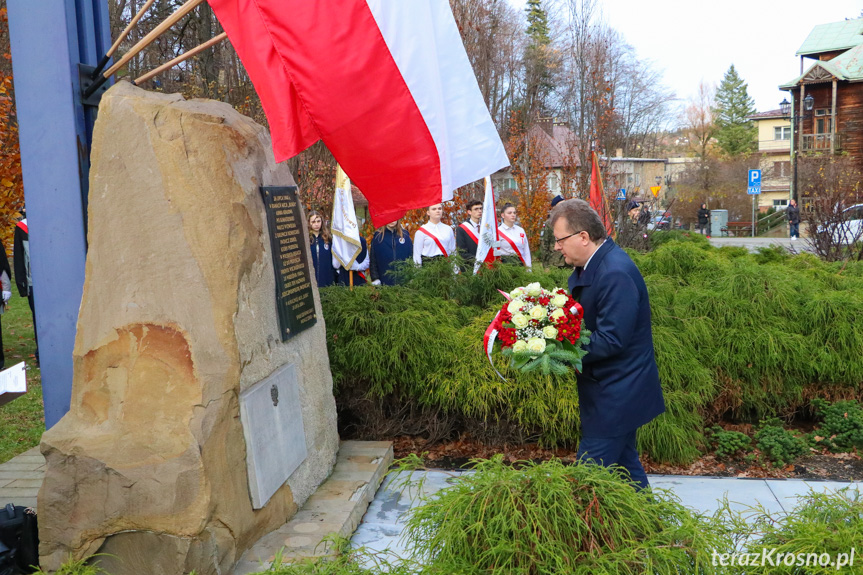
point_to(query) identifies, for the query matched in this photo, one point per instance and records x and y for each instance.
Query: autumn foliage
(11, 185)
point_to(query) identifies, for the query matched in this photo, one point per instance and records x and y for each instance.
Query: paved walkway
(383, 524)
(752, 244)
(21, 477)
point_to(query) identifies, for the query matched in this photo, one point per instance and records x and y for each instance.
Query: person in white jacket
(514, 248)
(435, 238)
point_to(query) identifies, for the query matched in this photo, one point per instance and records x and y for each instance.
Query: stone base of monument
(202, 414)
(337, 507)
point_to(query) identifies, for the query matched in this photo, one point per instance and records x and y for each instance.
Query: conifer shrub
(841, 428)
(777, 444)
(552, 518)
(822, 529)
(751, 336)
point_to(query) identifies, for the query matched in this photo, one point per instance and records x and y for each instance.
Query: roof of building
(558, 143)
(833, 37)
(769, 115)
(847, 66)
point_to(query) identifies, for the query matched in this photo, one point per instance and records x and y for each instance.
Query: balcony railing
(820, 142)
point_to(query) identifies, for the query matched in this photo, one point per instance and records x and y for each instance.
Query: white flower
(537, 312)
(519, 345)
(515, 306)
(519, 320)
(557, 314)
(559, 300)
(533, 289)
(536, 345)
(516, 293)
(550, 332)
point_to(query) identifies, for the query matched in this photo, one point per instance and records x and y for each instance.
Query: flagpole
(181, 58)
(351, 280)
(104, 61)
(143, 43)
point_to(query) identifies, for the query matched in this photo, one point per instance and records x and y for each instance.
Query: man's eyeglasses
(563, 239)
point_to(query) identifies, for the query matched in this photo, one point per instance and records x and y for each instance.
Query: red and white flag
(386, 84)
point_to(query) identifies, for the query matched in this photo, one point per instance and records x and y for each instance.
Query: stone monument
(178, 324)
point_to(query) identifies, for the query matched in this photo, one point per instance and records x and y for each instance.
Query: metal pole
(49, 40)
(753, 215)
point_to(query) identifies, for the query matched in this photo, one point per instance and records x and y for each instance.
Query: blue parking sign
(753, 186)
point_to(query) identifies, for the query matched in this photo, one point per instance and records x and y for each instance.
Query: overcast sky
(691, 40)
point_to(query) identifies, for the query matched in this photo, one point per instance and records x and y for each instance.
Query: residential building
(827, 99)
(636, 176)
(557, 151)
(774, 147)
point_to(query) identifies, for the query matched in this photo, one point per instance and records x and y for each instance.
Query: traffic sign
(621, 194)
(753, 187)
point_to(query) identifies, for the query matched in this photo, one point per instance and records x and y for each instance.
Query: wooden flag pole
(182, 57)
(143, 43)
(351, 274)
(120, 38)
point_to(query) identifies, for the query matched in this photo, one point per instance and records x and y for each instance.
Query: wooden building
(827, 98)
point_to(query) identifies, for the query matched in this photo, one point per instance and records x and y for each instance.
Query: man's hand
(7, 295)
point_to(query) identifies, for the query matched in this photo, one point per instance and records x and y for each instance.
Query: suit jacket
(619, 388)
(466, 247)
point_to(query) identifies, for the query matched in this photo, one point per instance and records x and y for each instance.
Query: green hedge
(752, 336)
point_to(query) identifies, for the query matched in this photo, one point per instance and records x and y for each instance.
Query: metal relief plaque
(295, 303)
(272, 419)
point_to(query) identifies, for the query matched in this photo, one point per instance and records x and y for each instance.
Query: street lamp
(785, 108)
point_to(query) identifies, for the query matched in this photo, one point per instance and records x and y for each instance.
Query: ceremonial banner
(346, 231)
(488, 235)
(597, 195)
(386, 84)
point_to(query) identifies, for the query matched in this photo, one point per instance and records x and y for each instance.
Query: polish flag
(386, 84)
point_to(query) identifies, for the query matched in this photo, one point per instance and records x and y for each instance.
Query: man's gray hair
(580, 217)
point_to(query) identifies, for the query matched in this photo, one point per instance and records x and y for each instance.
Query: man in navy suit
(619, 388)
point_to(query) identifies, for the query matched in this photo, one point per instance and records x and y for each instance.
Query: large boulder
(178, 318)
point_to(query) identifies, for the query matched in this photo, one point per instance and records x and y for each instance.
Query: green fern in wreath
(558, 358)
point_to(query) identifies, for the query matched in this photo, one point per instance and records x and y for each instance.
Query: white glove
(7, 295)
(376, 283)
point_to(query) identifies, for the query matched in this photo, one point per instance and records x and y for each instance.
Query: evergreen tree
(538, 58)
(537, 23)
(735, 134)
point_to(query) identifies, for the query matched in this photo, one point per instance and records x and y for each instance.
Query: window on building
(782, 169)
(553, 182)
(782, 133)
(637, 179)
(823, 125)
(780, 203)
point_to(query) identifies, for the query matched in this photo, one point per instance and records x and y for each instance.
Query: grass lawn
(22, 421)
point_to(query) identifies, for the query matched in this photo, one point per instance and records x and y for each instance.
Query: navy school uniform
(343, 276)
(388, 248)
(322, 261)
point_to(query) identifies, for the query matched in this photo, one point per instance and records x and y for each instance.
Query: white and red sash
(469, 231)
(23, 225)
(512, 243)
(436, 241)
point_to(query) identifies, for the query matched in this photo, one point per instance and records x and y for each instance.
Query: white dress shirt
(425, 246)
(519, 238)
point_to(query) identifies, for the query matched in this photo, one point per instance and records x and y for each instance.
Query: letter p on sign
(754, 177)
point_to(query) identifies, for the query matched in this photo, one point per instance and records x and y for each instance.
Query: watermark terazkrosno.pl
(772, 557)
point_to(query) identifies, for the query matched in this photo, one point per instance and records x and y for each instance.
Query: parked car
(660, 222)
(850, 229)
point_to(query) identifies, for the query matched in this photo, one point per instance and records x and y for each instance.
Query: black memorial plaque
(295, 302)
